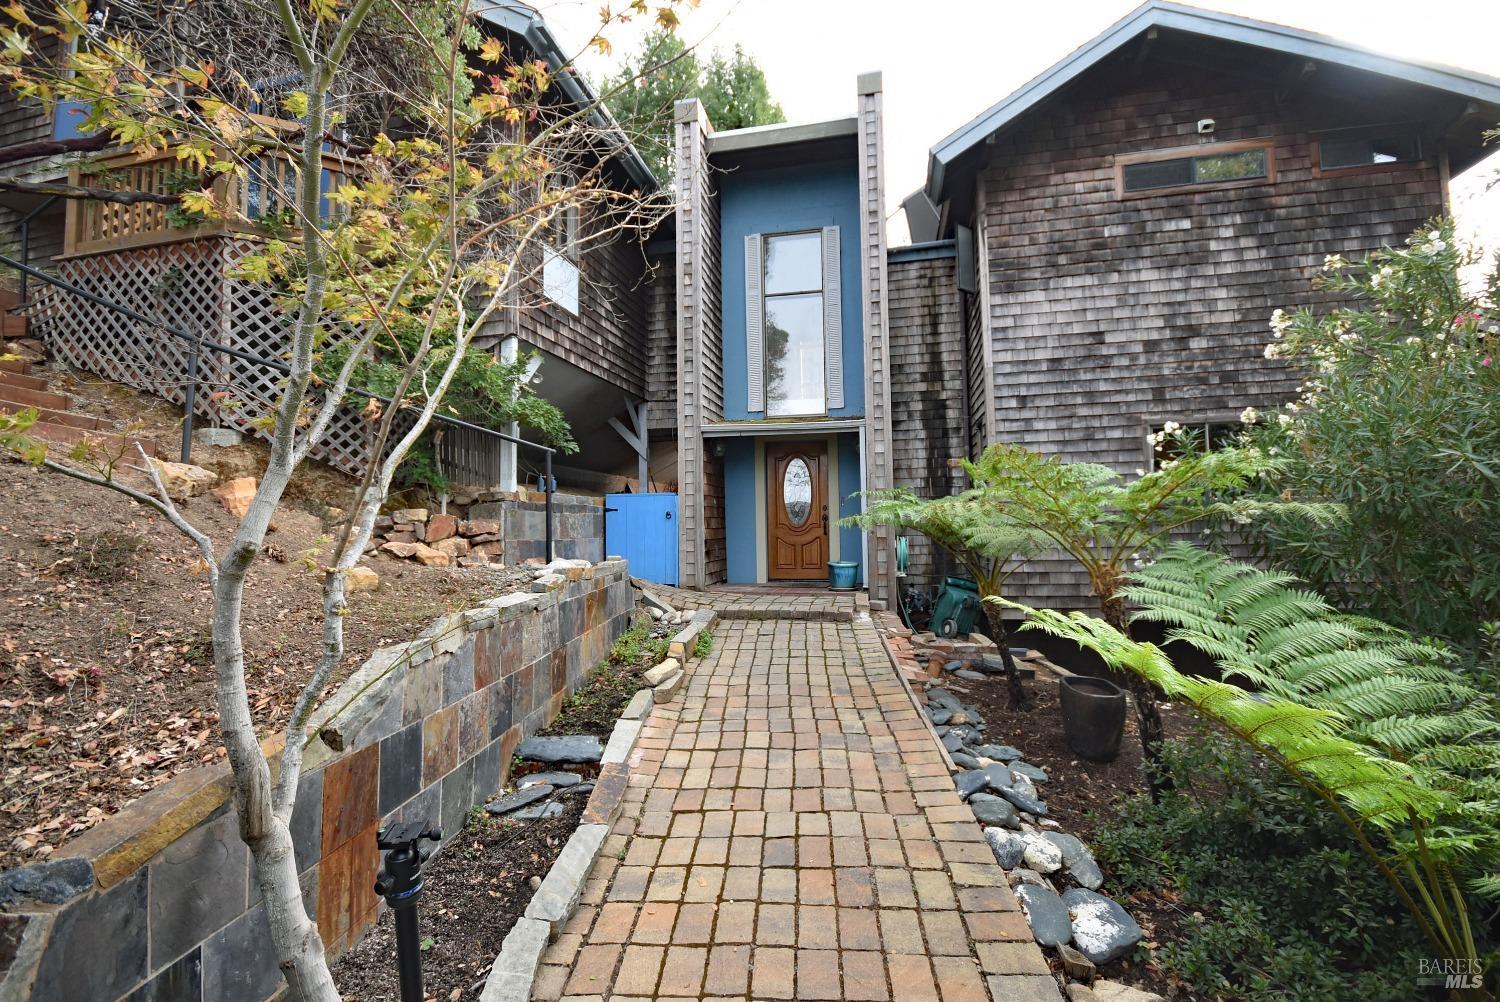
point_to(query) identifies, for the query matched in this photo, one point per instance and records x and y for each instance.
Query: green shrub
(1398, 425)
(1275, 900)
(636, 645)
(704, 645)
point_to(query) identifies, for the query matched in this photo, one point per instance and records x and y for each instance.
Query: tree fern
(1380, 726)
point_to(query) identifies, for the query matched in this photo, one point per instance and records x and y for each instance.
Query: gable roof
(1191, 20)
(523, 21)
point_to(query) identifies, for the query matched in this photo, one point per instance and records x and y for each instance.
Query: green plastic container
(843, 575)
(957, 609)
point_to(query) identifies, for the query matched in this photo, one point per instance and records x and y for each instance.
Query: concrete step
(35, 398)
(21, 380)
(59, 434)
(85, 421)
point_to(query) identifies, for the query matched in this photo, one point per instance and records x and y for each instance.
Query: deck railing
(267, 189)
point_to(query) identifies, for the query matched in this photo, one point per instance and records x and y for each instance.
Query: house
(1096, 254)
(583, 311)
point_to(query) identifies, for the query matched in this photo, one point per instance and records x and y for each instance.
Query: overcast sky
(945, 61)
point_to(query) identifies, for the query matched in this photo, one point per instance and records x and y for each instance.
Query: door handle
(825, 519)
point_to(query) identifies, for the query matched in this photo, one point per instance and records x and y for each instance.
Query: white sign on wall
(560, 280)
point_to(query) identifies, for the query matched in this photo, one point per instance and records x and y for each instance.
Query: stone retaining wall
(160, 902)
(579, 526)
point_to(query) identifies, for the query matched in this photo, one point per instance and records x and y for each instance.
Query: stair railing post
(190, 402)
(547, 490)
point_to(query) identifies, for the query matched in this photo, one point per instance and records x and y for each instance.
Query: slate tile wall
(578, 527)
(174, 911)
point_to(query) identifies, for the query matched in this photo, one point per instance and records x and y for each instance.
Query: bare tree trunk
(1147, 709)
(1000, 633)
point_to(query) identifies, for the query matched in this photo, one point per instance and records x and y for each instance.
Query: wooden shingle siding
(608, 336)
(25, 120)
(1108, 315)
(661, 346)
(929, 422)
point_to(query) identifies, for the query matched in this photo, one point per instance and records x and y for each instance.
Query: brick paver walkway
(791, 832)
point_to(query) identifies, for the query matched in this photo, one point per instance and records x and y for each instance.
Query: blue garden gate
(642, 528)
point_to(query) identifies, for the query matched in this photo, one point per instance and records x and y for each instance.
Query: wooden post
(880, 573)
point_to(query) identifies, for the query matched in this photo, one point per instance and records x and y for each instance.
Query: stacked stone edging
(161, 899)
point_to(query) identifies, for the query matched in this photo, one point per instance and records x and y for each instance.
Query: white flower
(1284, 419)
(1280, 322)
(1441, 335)
(1140, 472)
(1413, 340)
(1273, 350)
(1249, 415)
(1333, 261)
(1171, 428)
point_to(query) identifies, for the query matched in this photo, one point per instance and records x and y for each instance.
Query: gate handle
(669, 516)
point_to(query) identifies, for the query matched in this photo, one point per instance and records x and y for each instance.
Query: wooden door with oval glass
(797, 536)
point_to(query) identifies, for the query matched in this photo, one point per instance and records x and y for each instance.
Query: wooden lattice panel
(188, 285)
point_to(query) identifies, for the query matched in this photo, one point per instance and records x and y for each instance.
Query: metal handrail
(198, 344)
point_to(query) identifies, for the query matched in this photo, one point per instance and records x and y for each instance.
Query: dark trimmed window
(1204, 435)
(1200, 169)
(1337, 154)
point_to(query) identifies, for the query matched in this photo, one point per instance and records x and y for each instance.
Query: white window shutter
(833, 319)
(754, 322)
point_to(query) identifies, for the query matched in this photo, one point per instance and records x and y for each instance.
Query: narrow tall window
(795, 371)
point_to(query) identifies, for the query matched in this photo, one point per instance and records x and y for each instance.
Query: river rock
(970, 782)
(1077, 860)
(992, 810)
(940, 715)
(1030, 805)
(1113, 991)
(968, 735)
(941, 696)
(952, 741)
(1041, 855)
(536, 812)
(965, 761)
(1000, 753)
(1007, 846)
(1030, 771)
(1102, 930)
(1050, 924)
(972, 676)
(561, 748)
(1021, 875)
(1021, 784)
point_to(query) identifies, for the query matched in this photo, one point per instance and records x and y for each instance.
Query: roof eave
(522, 20)
(1229, 27)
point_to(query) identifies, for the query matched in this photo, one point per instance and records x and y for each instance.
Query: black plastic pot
(1093, 712)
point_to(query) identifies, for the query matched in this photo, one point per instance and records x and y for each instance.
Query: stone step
(60, 434)
(45, 414)
(23, 397)
(22, 381)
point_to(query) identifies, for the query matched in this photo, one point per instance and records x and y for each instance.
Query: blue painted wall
(740, 497)
(739, 509)
(779, 200)
(849, 538)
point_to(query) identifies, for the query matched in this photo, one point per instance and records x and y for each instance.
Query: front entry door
(797, 511)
